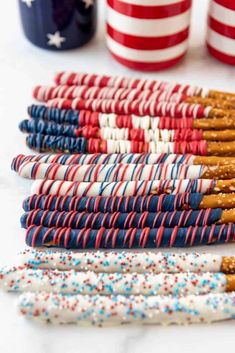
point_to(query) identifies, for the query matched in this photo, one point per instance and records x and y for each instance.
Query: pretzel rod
(45, 93)
(47, 143)
(122, 262)
(123, 172)
(76, 220)
(73, 78)
(140, 108)
(126, 158)
(84, 118)
(20, 279)
(141, 135)
(100, 158)
(129, 239)
(131, 188)
(107, 133)
(119, 309)
(113, 204)
(127, 204)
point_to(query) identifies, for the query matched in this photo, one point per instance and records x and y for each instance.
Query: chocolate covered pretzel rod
(129, 239)
(124, 261)
(125, 204)
(125, 134)
(77, 220)
(123, 172)
(73, 78)
(126, 158)
(141, 108)
(20, 279)
(48, 143)
(45, 93)
(84, 118)
(118, 309)
(131, 188)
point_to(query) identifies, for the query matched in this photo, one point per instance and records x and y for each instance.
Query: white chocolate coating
(156, 135)
(123, 261)
(113, 310)
(123, 146)
(19, 279)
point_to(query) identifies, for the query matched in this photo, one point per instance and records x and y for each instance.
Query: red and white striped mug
(148, 35)
(221, 30)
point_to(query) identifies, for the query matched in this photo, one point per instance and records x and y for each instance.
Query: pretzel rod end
(212, 102)
(230, 283)
(221, 113)
(228, 265)
(221, 95)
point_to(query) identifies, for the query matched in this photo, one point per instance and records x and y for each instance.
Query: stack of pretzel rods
(81, 132)
(147, 287)
(114, 205)
(160, 172)
(93, 113)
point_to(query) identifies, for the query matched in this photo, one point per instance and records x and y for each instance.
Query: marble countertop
(21, 67)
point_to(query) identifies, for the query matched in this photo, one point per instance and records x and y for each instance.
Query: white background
(21, 67)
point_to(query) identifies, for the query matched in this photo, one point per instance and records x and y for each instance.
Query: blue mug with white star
(58, 24)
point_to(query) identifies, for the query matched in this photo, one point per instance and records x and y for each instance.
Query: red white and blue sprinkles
(99, 310)
(72, 282)
(121, 261)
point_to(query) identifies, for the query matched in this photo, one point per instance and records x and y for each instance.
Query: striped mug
(150, 36)
(221, 30)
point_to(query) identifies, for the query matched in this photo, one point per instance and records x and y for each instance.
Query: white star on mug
(28, 2)
(55, 39)
(88, 3)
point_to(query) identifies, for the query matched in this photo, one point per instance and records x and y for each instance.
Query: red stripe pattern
(45, 93)
(139, 108)
(148, 37)
(221, 30)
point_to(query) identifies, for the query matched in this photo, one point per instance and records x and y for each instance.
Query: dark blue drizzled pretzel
(86, 117)
(132, 238)
(111, 204)
(43, 143)
(88, 131)
(60, 116)
(77, 220)
(48, 128)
